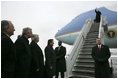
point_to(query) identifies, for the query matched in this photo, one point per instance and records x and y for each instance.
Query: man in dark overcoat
(60, 52)
(37, 63)
(98, 16)
(50, 56)
(101, 54)
(8, 56)
(23, 54)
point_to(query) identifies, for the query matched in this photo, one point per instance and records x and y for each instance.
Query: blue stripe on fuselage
(77, 23)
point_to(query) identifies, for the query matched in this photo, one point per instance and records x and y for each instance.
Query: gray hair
(35, 37)
(26, 30)
(4, 25)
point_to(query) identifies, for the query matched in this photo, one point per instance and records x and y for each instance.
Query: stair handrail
(101, 29)
(78, 45)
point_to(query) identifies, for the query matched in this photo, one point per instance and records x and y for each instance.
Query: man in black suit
(50, 59)
(101, 54)
(23, 54)
(60, 52)
(7, 50)
(98, 16)
(37, 63)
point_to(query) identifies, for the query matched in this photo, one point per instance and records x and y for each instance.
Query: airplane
(72, 30)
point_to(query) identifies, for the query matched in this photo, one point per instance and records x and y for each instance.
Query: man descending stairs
(84, 65)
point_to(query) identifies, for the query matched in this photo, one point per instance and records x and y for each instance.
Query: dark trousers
(57, 74)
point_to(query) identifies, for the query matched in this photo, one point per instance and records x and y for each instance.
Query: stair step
(84, 58)
(95, 26)
(96, 32)
(78, 68)
(92, 66)
(84, 61)
(84, 71)
(85, 53)
(90, 39)
(85, 67)
(85, 50)
(88, 49)
(87, 46)
(81, 76)
(92, 36)
(80, 71)
(93, 30)
(90, 42)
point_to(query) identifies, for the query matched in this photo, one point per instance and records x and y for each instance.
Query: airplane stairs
(84, 64)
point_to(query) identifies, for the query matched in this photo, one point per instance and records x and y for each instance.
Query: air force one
(72, 30)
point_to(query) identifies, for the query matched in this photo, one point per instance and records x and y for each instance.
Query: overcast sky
(46, 18)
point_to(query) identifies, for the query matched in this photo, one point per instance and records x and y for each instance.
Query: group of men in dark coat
(55, 59)
(17, 59)
(24, 60)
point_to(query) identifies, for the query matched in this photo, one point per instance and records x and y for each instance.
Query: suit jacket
(50, 60)
(101, 57)
(37, 60)
(23, 55)
(8, 56)
(98, 16)
(60, 59)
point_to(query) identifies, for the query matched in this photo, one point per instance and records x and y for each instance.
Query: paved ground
(114, 59)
